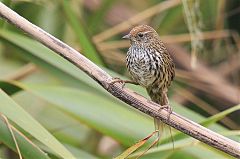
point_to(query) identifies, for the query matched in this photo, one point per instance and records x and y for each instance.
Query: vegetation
(54, 110)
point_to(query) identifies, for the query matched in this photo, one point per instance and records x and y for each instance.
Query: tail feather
(162, 99)
(159, 127)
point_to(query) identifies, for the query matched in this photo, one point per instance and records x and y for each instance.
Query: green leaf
(19, 116)
(209, 152)
(219, 116)
(58, 123)
(27, 150)
(172, 18)
(97, 18)
(80, 153)
(9, 88)
(49, 60)
(7, 66)
(106, 116)
(165, 150)
(188, 147)
(89, 50)
(206, 122)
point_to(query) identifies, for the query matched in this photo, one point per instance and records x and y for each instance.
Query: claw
(168, 108)
(117, 80)
(123, 82)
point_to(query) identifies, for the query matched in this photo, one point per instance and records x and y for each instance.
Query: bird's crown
(141, 29)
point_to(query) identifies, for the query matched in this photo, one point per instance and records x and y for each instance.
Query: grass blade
(89, 49)
(19, 116)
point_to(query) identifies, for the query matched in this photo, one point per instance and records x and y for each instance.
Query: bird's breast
(143, 65)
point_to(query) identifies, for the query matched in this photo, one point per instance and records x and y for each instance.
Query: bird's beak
(126, 36)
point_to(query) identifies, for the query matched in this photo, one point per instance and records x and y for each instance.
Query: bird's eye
(140, 35)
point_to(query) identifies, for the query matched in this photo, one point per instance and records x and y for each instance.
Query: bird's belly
(143, 78)
(142, 72)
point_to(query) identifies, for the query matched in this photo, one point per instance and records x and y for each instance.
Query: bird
(150, 65)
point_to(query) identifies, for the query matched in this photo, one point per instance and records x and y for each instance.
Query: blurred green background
(56, 111)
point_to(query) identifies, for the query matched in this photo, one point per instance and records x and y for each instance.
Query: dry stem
(135, 20)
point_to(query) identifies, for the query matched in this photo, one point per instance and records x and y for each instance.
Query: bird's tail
(158, 124)
(161, 99)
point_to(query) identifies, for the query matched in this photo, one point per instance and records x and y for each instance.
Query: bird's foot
(168, 108)
(117, 80)
(123, 82)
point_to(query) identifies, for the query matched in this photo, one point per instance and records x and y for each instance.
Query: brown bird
(150, 65)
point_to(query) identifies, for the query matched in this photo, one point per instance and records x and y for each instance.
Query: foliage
(56, 111)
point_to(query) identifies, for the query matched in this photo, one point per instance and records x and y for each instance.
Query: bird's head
(141, 35)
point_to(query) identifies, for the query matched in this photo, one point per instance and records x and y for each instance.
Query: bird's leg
(169, 109)
(166, 104)
(123, 82)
